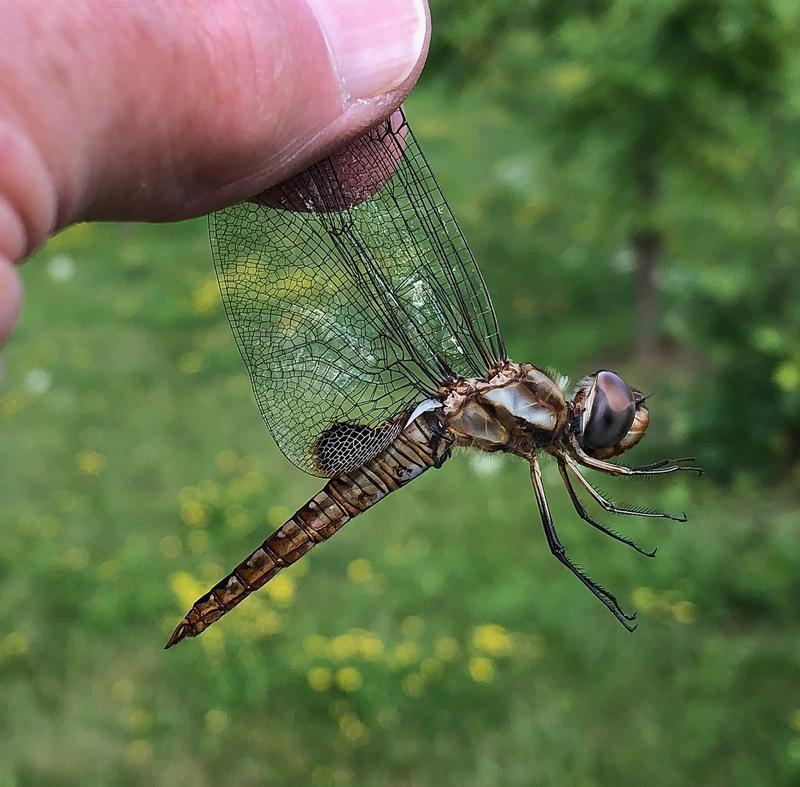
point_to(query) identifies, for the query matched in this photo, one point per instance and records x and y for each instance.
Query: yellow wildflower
(91, 462)
(205, 298)
(344, 646)
(320, 678)
(191, 362)
(14, 644)
(185, 588)
(481, 669)
(569, 79)
(360, 571)
(370, 646)
(684, 611)
(405, 653)
(348, 679)
(194, 513)
(10, 404)
(352, 728)
(446, 648)
(281, 590)
(644, 599)
(139, 720)
(787, 376)
(492, 639)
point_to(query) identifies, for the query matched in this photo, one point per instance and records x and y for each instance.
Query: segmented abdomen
(421, 445)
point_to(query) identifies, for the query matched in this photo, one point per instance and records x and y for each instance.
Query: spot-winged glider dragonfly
(373, 349)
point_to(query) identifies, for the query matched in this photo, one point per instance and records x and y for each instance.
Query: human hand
(168, 109)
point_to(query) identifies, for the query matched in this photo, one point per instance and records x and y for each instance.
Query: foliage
(670, 127)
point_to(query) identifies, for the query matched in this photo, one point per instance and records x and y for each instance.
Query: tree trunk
(647, 246)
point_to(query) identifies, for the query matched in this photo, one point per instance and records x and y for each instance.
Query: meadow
(433, 641)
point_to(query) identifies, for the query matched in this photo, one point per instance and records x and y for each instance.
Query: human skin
(166, 109)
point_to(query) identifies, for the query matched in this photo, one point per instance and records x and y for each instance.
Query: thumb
(10, 301)
(164, 110)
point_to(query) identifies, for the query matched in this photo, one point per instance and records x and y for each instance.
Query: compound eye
(612, 408)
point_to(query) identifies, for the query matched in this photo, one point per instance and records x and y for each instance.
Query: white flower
(61, 268)
(37, 381)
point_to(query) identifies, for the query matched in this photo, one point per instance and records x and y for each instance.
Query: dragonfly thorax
(518, 408)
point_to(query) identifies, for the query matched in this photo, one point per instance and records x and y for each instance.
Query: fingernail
(375, 44)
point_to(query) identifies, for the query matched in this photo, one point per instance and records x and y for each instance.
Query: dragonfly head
(609, 416)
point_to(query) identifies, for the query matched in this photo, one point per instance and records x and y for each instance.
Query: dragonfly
(374, 351)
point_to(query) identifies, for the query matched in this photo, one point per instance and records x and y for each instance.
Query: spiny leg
(607, 505)
(667, 462)
(658, 468)
(557, 548)
(584, 515)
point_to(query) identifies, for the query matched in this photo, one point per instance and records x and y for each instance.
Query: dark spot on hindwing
(345, 446)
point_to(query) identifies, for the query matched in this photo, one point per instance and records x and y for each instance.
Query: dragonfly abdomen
(423, 444)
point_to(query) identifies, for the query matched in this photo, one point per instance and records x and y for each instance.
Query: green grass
(434, 641)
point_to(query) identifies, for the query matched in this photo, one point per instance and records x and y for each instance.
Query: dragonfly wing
(352, 295)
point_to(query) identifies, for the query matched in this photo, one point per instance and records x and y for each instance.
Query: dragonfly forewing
(352, 295)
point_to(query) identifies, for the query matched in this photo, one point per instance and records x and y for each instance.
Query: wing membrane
(352, 295)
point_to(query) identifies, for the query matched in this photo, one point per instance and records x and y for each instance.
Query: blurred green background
(629, 178)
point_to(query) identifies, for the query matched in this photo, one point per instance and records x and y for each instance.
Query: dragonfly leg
(657, 468)
(557, 548)
(667, 462)
(607, 505)
(584, 515)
